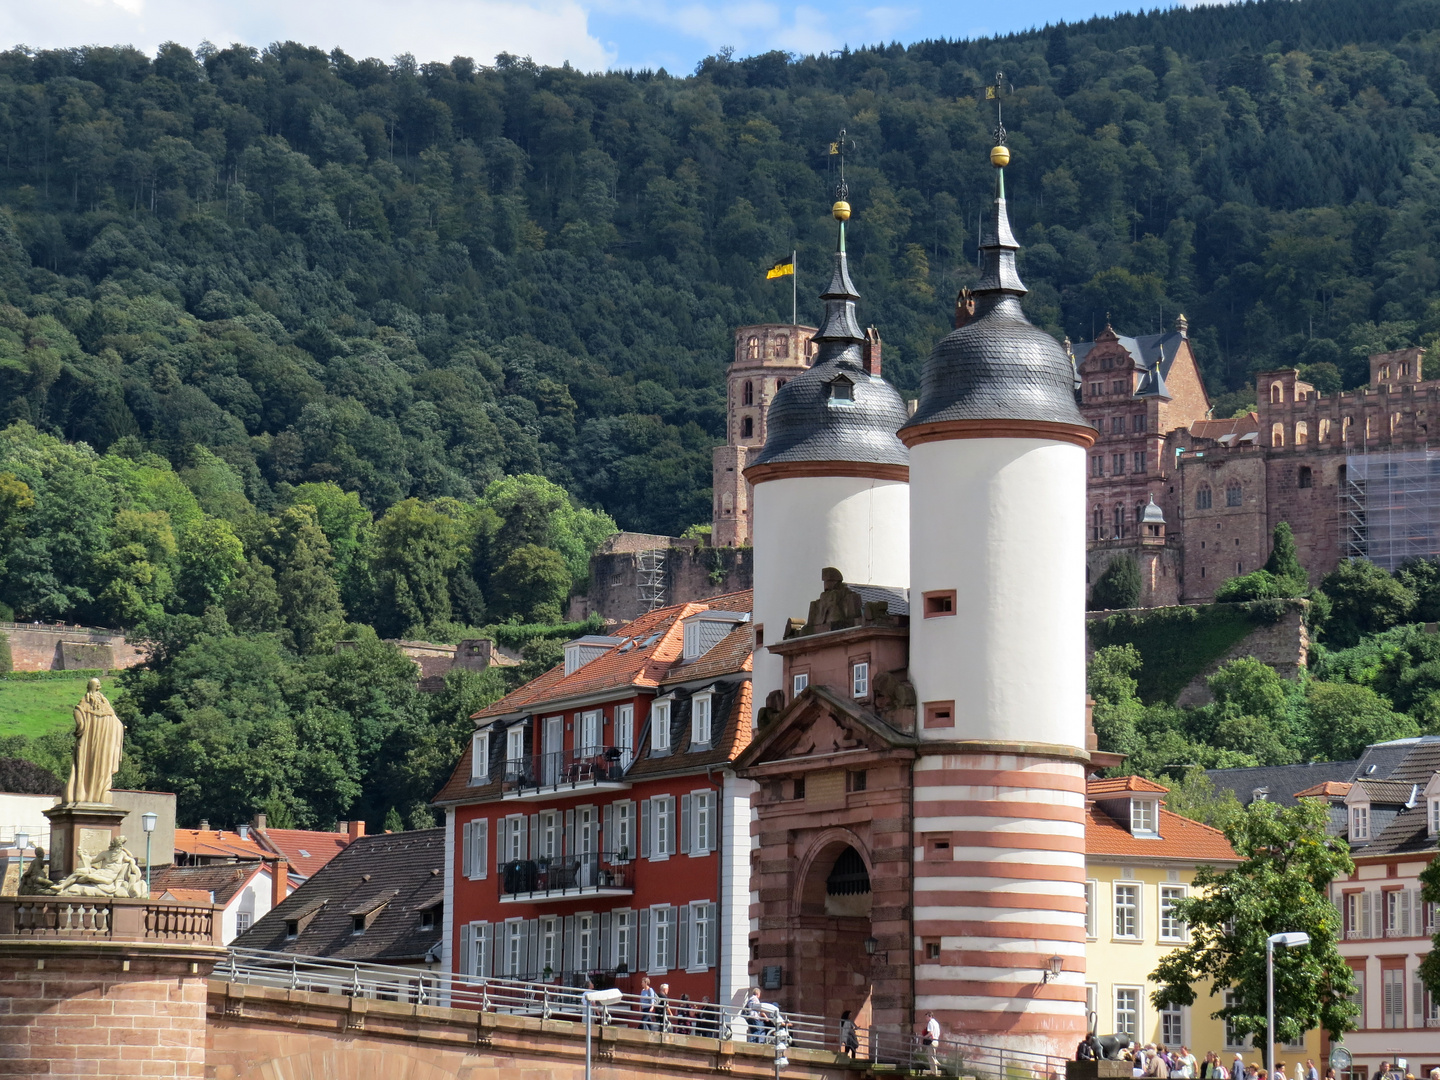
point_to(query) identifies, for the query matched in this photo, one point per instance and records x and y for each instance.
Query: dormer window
(1144, 817)
(480, 758)
(706, 629)
(701, 706)
(842, 389)
(581, 651)
(292, 929)
(660, 726)
(1433, 816)
(1359, 823)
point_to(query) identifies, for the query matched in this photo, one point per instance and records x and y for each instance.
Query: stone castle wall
(692, 572)
(69, 648)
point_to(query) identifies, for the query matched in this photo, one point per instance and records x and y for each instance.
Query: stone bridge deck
(265, 1033)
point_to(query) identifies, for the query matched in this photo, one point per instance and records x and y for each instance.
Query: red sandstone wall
(53, 648)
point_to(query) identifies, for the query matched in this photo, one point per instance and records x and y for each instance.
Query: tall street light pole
(147, 822)
(1285, 941)
(592, 998)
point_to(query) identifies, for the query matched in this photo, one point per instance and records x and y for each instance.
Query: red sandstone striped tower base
(999, 890)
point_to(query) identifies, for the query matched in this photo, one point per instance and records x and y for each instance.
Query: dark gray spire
(998, 247)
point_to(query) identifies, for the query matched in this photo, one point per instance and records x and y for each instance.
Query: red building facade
(592, 823)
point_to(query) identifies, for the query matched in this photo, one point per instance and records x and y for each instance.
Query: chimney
(872, 351)
(259, 822)
(342, 826)
(356, 829)
(280, 882)
(204, 824)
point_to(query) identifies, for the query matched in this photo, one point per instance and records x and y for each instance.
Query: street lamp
(147, 822)
(601, 998)
(22, 841)
(1285, 941)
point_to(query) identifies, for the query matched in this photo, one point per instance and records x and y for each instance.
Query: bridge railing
(549, 1001)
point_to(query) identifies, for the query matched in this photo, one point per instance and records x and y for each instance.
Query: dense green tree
(1118, 586)
(1344, 719)
(1365, 599)
(310, 609)
(418, 548)
(1288, 860)
(531, 583)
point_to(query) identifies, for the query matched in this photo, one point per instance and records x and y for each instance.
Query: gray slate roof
(897, 600)
(1153, 353)
(1405, 834)
(1281, 782)
(1411, 760)
(407, 868)
(998, 366)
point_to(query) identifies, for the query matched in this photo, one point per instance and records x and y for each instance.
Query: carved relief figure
(114, 872)
(35, 882)
(99, 735)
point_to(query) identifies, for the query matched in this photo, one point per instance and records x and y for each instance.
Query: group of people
(1158, 1063)
(676, 1016)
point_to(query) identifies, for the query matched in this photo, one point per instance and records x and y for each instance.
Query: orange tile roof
(187, 896)
(643, 664)
(1326, 788)
(306, 851)
(1114, 785)
(730, 654)
(1213, 429)
(1180, 838)
(219, 844)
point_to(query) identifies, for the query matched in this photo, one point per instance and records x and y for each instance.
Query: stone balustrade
(122, 921)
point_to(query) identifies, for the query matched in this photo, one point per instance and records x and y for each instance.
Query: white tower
(830, 485)
(997, 657)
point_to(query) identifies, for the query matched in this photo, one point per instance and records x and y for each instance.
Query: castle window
(1117, 387)
(1277, 434)
(1139, 513)
(1137, 422)
(1324, 435)
(780, 382)
(1385, 373)
(1202, 497)
(1232, 495)
(1404, 370)
(752, 349)
(747, 428)
(747, 395)
(939, 604)
(1117, 425)
(1119, 518)
(1305, 478)
(1345, 429)
(1098, 529)
(1139, 456)
(782, 348)
(1394, 424)
(1302, 433)
(1097, 465)
(1096, 389)
(1277, 393)
(1117, 464)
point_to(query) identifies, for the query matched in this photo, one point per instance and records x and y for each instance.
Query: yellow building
(1139, 859)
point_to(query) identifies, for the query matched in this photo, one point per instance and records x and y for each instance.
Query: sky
(589, 34)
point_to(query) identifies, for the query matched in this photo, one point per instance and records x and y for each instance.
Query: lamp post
(22, 841)
(147, 822)
(1285, 941)
(592, 998)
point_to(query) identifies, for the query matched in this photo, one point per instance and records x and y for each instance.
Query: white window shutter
(485, 952)
(607, 828)
(607, 940)
(683, 943)
(712, 939)
(642, 942)
(670, 943)
(1365, 914)
(1404, 912)
(502, 828)
(467, 867)
(535, 848)
(467, 949)
(481, 858)
(499, 946)
(670, 825)
(570, 943)
(533, 952)
(1417, 1003)
(570, 834)
(647, 827)
(687, 822)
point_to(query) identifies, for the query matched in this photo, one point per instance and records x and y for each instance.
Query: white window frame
(702, 708)
(1433, 806)
(587, 936)
(476, 836)
(1392, 1005)
(480, 758)
(551, 938)
(1360, 822)
(663, 928)
(660, 725)
(860, 679)
(1175, 1014)
(549, 836)
(1171, 928)
(1232, 1042)
(515, 836)
(624, 826)
(1133, 1006)
(591, 738)
(662, 813)
(701, 928)
(798, 683)
(1130, 890)
(702, 823)
(515, 938)
(1092, 897)
(515, 749)
(625, 733)
(623, 927)
(1144, 817)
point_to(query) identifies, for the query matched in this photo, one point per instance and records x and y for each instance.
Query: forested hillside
(413, 278)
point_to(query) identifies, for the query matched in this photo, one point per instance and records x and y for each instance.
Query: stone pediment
(818, 723)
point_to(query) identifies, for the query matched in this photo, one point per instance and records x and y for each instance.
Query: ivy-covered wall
(1182, 645)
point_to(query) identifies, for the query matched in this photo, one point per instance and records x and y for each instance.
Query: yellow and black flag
(783, 268)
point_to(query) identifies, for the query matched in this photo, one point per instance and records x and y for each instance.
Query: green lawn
(34, 708)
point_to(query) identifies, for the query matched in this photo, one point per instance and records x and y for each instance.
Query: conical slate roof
(998, 366)
(814, 416)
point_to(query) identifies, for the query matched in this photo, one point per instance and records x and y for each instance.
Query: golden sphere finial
(841, 210)
(1000, 156)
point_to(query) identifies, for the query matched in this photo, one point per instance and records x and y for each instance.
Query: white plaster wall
(262, 887)
(734, 952)
(804, 524)
(26, 813)
(1002, 522)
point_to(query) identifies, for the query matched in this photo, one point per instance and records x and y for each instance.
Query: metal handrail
(547, 1000)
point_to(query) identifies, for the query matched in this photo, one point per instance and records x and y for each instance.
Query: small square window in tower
(842, 389)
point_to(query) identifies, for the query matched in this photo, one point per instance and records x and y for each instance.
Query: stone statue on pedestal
(99, 735)
(838, 607)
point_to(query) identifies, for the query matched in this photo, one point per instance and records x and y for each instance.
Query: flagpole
(794, 288)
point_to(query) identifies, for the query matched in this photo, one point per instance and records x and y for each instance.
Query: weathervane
(992, 93)
(838, 147)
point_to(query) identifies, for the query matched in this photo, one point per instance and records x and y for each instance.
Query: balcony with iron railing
(561, 772)
(600, 873)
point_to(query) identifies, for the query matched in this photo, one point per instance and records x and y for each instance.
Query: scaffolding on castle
(650, 577)
(1390, 506)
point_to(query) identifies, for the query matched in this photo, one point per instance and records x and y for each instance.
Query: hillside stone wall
(56, 647)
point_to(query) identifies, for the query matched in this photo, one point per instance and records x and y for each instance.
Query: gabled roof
(219, 844)
(1329, 789)
(219, 882)
(305, 851)
(1147, 350)
(1421, 761)
(728, 656)
(1406, 834)
(1116, 785)
(730, 734)
(1180, 839)
(405, 867)
(1389, 792)
(650, 646)
(815, 701)
(185, 896)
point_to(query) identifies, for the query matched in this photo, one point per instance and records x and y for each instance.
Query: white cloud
(550, 31)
